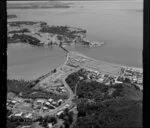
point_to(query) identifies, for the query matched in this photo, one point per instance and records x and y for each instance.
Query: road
(68, 101)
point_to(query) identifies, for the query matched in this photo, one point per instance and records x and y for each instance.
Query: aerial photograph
(75, 64)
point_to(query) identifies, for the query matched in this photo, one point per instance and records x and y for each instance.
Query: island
(41, 34)
(83, 92)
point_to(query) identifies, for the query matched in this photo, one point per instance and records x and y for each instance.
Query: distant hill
(37, 5)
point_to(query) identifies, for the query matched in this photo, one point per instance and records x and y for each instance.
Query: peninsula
(83, 92)
(41, 34)
(66, 94)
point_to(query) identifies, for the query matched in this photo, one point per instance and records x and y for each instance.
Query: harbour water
(118, 24)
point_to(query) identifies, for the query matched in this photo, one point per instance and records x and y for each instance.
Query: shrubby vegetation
(24, 38)
(26, 90)
(43, 121)
(98, 108)
(13, 122)
(18, 23)
(114, 113)
(17, 86)
(20, 31)
(61, 30)
(73, 78)
(42, 94)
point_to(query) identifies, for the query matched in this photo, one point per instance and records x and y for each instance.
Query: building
(50, 100)
(47, 103)
(100, 80)
(29, 115)
(40, 101)
(13, 101)
(45, 108)
(59, 113)
(18, 114)
(50, 125)
(118, 82)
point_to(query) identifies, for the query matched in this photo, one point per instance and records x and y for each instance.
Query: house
(50, 100)
(18, 99)
(45, 108)
(108, 83)
(59, 113)
(66, 106)
(18, 114)
(47, 103)
(13, 101)
(63, 90)
(118, 82)
(140, 81)
(40, 101)
(60, 100)
(50, 125)
(29, 115)
(100, 80)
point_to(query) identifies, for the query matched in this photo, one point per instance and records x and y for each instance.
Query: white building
(60, 112)
(118, 82)
(19, 114)
(13, 101)
(45, 108)
(29, 115)
(50, 100)
(47, 103)
(40, 101)
(50, 125)
(100, 80)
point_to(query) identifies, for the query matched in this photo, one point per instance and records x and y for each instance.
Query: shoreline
(65, 59)
(112, 64)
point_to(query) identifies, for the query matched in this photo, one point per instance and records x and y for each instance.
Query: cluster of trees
(72, 80)
(25, 87)
(67, 117)
(97, 108)
(43, 94)
(61, 30)
(92, 89)
(13, 122)
(17, 86)
(18, 23)
(43, 121)
(24, 38)
(114, 113)
(20, 31)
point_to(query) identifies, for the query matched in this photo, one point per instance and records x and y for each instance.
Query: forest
(101, 106)
(26, 90)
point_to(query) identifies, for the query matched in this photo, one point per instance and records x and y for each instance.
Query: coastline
(38, 73)
(111, 64)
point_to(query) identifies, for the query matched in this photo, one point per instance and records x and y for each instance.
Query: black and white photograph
(74, 64)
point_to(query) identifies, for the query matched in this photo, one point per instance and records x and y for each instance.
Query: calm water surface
(118, 24)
